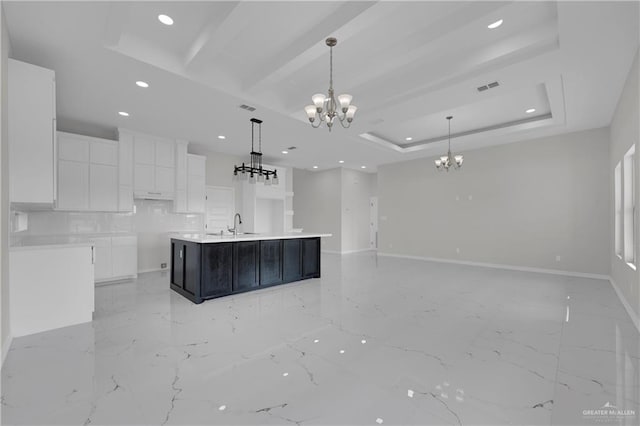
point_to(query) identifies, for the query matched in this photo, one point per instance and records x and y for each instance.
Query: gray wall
(520, 204)
(4, 186)
(625, 131)
(334, 201)
(317, 204)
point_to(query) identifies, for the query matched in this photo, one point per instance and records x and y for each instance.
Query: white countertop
(216, 238)
(50, 246)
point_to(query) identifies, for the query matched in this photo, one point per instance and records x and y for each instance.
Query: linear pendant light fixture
(447, 161)
(325, 108)
(254, 171)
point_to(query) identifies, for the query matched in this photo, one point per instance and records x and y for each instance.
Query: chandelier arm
(342, 121)
(316, 126)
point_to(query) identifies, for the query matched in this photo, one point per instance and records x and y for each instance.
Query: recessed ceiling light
(285, 374)
(315, 167)
(222, 137)
(165, 19)
(285, 152)
(222, 407)
(341, 161)
(363, 167)
(363, 341)
(142, 84)
(495, 24)
(408, 138)
(530, 110)
(123, 113)
(341, 351)
(316, 341)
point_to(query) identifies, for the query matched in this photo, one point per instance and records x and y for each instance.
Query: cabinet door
(291, 260)
(165, 180)
(177, 263)
(103, 260)
(310, 257)
(270, 262)
(144, 178)
(125, 198)
(165, 154)
(124, 254)
(103, 152)
(144, 151)
(72, 148)
(31, 133)
(245, 265)
(192, 266)
(217, 276)
(103, 187)
(73, 185)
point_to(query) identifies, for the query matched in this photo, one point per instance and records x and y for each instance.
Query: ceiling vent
(291, 148)
(488, 86)
(248, 107)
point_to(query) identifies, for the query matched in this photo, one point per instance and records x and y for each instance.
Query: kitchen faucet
(235, 226)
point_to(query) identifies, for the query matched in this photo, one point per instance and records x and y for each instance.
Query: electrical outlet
(163, 265)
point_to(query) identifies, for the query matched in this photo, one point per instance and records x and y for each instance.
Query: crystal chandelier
(254, 171)
(325, 108)
(449, 160)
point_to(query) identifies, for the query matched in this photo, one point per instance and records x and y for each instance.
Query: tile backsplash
(149, 216)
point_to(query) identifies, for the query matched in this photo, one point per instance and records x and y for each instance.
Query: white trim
(6, 345)
(500, 266)
(634, 317)
(143, 271)
(346, 251)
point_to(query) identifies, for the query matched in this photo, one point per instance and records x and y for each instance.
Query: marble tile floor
(376, 340)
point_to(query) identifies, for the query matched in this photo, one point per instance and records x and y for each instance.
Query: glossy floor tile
(375, 341)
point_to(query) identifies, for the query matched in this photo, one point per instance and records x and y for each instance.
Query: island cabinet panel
(217, 276)
(291, 260)
(311, 258)
(270, 262)
(192, 265)
(246, 273)
(177, 263)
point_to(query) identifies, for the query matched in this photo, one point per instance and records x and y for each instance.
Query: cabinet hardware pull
(92, 257)
(180, 253)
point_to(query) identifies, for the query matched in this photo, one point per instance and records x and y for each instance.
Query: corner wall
(520, 204)
(624, 132)
(5, 339)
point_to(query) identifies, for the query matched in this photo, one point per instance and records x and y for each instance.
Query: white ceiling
(408, 65)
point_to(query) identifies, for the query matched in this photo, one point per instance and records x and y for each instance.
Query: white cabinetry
(196, 183)
(87, 173)
(116, 257)
(32, 133)
(180, 202)
(51, 287)
(154, 168)
(125, 171)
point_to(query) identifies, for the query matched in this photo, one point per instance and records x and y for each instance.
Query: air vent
(291, 148)
(488, 86)
(248, 107)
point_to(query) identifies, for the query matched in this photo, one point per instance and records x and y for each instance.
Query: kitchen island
(206, 266)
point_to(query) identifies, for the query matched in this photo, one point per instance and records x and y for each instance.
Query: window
(629, 207)
(617, 195)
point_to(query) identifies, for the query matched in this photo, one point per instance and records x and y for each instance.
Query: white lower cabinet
(116, 258)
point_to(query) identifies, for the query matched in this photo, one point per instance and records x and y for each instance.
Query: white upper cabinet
(87, 173)
(125, 171)
(32, 133)
(154, 167)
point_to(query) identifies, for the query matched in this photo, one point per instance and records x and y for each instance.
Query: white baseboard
(346, 251)
(143, 271)
(634, 317)
(6, 345)
(500, 266)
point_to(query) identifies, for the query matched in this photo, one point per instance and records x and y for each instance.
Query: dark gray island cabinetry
(208, 267)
